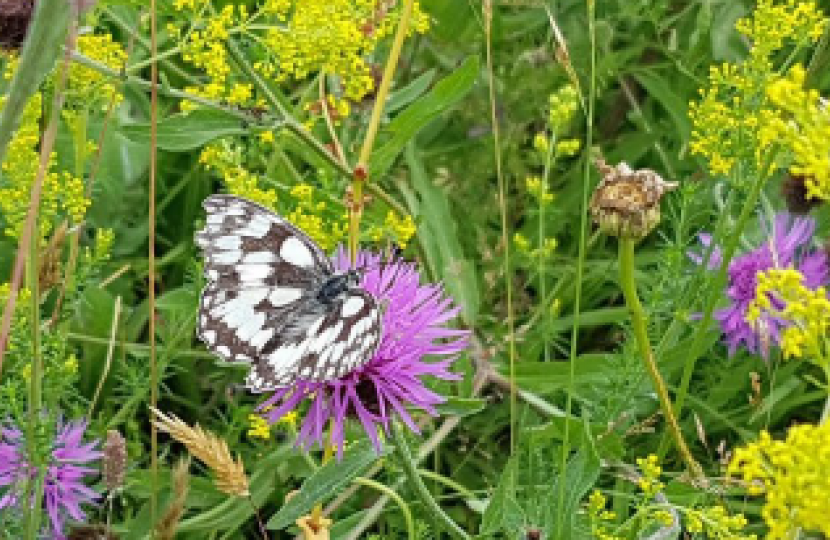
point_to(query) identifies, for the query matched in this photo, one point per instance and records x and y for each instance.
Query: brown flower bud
(115, 460)
(626, 203)
(14, 21)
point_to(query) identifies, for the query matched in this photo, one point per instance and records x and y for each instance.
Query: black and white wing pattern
(262, 303)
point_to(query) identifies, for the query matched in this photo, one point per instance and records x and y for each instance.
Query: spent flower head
(626, 203)
(788, 245)
(414, 327)
(65, 488)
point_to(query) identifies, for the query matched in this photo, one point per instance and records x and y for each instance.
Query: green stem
(360, 174)
(411, 469)
(392, 494)
(639, 324)
(703, 327)
(588, 107)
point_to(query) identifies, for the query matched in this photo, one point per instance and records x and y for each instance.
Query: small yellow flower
(259, 428)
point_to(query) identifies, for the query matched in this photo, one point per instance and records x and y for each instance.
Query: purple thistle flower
(413, 327)
(788, 246)
(64, 489)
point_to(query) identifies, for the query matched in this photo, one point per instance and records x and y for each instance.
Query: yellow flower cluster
(597, 514)
(401, 229)
(562, 107)
(258, 427)
(308, 215)
(730, 120)
(805, 129)
(61, 191)
(295, 39)
(538, 190)
(87, 85)
(224, 160)
(332, 36)
(807, 310)
(567, 147)
(205, 49)
(793, 476)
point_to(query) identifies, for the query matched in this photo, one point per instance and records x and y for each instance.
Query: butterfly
(274, 300)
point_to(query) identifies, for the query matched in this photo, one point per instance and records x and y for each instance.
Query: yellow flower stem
(639, 324)
(360, 174)
(442, 520)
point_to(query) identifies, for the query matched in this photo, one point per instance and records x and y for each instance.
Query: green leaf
(190, 131)
(325, 482)
(578, 477)
(46, 35)
(457, 406)
(669, 98)
(234, 511)
(504, 513)
(439, 235)
(407, 94)
(407, 124)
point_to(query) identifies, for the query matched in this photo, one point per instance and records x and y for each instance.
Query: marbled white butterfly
(273, 299)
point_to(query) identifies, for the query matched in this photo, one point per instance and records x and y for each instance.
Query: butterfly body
(274, 300)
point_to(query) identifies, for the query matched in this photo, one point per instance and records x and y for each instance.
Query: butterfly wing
(322, 342)
(260, 268)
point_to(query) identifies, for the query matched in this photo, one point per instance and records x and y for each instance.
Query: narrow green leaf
(407, 94)
(186, 132)
(439, 234)
(47, 33)
(233, 512)
(324, 483)
(669, 98)
(407, 124)
(457, 406)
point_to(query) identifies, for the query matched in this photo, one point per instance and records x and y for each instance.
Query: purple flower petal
(788, 246)
(413, 329)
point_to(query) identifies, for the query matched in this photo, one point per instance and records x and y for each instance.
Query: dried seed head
(626, 203)
(14, 21)
(794, 191)
(115, 460)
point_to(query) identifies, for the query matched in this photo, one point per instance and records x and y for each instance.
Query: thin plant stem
(583, 234)
(392, 494)
(151, 221)
(360, 174)
(508, 276)
(262, 529)
(116, 314)
(411, 470)
(30, 239)
(640, 326)
(703, 325)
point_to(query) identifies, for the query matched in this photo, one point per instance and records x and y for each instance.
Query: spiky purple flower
(788, 246)
(413, 328)
(64, 489)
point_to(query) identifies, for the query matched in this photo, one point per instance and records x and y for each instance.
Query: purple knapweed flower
(787, 246)
(413, 328)
(64, 488)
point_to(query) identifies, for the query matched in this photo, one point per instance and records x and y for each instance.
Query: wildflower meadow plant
(70, 469)
(377, 393)
(788, 243)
